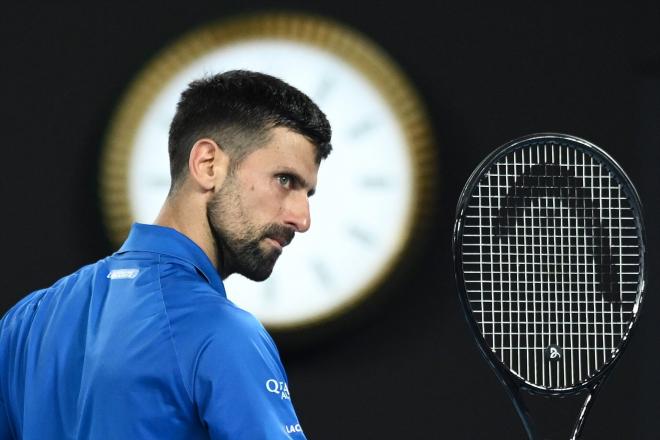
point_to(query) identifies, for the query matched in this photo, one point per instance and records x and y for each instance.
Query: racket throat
(584, 411)
(514, 392)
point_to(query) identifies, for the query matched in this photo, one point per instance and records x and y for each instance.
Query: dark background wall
(487, 72)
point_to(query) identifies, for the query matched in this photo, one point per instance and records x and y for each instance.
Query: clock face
(365, 203)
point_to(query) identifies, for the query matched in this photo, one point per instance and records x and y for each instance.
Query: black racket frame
(513, 382)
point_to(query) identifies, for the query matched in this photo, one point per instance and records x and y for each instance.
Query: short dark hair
(237, 109)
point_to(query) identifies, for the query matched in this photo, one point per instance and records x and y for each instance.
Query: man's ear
(208, 164)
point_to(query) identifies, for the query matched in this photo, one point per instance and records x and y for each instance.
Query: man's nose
(298, 215)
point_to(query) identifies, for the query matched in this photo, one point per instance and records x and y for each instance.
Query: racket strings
(551, 260)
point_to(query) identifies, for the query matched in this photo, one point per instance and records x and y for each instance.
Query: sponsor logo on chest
(278, 387)
(290, 429)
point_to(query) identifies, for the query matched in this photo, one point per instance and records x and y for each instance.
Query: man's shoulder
(34, 299)
(205, 324)
(211, 313)
(191, 301)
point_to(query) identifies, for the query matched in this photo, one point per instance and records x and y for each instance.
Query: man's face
(262, 204)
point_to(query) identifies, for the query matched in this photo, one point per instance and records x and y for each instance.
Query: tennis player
(144, 344)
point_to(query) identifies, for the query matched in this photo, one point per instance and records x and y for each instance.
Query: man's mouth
(281, 241)
(279, 236)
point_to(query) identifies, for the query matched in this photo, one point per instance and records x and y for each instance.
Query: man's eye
(284, 180)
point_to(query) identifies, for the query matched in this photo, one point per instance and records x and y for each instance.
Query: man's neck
(188, 218)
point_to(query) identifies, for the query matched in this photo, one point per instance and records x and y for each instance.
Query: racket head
(626, 299)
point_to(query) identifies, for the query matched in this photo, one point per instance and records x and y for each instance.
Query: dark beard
(243, 255)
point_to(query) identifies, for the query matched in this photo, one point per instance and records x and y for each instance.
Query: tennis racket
(549, 257)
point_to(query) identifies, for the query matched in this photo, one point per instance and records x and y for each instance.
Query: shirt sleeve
(241, 388)
(5, 429)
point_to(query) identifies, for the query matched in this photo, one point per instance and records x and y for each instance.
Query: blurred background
(486, 73)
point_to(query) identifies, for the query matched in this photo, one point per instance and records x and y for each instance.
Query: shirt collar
(168, 241)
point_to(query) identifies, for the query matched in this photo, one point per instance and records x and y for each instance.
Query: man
(144, 344)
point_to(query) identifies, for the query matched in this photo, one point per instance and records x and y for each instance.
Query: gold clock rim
(338, 39)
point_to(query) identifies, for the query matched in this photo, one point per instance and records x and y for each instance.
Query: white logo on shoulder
(278, 387)
(123, 274)
(290, 429)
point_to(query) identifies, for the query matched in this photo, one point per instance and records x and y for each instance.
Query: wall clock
(374, 191)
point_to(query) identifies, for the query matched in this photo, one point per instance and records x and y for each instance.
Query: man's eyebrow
(304, 184)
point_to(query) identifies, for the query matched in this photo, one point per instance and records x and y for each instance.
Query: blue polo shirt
(143, 344)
